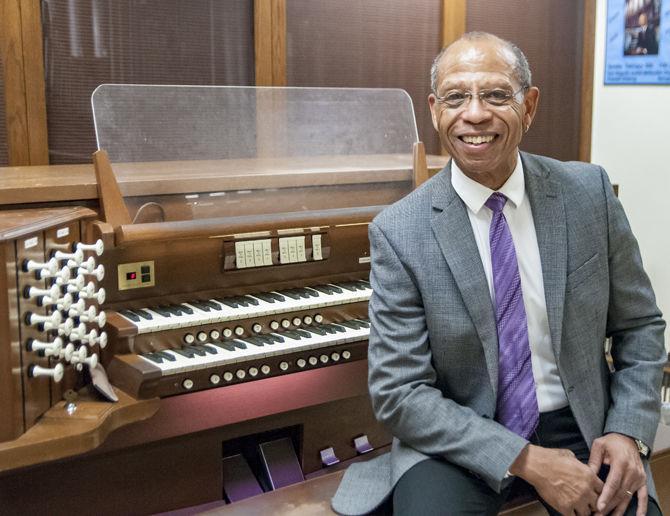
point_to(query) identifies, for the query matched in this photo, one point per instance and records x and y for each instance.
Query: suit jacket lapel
(546, 202)
(452, 229)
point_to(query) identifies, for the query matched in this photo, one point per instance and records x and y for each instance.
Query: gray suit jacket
(433, 350)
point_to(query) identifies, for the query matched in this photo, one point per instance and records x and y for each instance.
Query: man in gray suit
(495, 285)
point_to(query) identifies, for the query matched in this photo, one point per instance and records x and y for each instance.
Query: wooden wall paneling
(586, 97)
(453, 20)
(279, 42)
(15, 95)
(263, 42)
(453, 27)
(33, 73)
(25, 106)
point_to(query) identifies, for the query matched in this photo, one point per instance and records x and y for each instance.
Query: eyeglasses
(496, 97)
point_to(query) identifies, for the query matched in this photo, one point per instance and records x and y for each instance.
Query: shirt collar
(474, 194)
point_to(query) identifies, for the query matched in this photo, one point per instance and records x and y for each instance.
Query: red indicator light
(131, 275)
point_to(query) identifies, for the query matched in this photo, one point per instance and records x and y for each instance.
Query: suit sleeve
(636, 327)
(402, 378)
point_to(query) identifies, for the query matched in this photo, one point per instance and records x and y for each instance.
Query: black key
(253, 340)
(251, 300)
(196, 350)
(200, 305)
(226, 345)
(317, 330)
(311, 292)
(366, 283)
(336, 289)
(238, 344)
(276, 337)
(363, 323)
(349, 324)
(212, 304)
(174, 310)
(143, 313)
(153, 357)
(277, 296)
(347, 286)
(291, 294)
(242, 301)
(291, 335)
(185, 352)
(228, 301)
(266, 339)
(161, 311)
(130, 315)
(303, 333)
(360, 285)
(166, 356)
(265, 297)
(334, 328)
(324, 289)
(209, 349)
(186, 309)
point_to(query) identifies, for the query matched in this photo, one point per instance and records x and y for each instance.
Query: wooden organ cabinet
(188, 322)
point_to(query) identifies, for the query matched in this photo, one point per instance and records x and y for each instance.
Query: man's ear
(432, 102)
(530, 103)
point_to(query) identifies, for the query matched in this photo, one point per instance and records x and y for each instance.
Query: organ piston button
(215, 379)
(187, 384)
(227, 333)
(214, 334)
(283, 366)
(324, 359)
(346, 355)
(227, 376)
(274, 325)
(202, 336)
(301, 363)
(265, 369)
(189, 338)
(318, 318)
(313, 360)
(285, 323)
(297, 321)
(257, 328)
(240, 373)
(253, 372)
(239, 331)
(307, 319)
(335, 356)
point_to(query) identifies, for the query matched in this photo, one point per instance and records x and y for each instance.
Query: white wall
(631, 139)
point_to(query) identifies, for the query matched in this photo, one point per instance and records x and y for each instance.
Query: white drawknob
(98, 272)
(92, 315)
(65, 328)
(49, 267)
(51, 321)
(81, 357)
(72, 285)
(102, 340)
(31, 292)
(56, 373)
(67, 352)
(98, 247)
(73, 259)
(88, 265)
(92, 338)
(62, 275)
(78, 332)
(89, 293)
(77, 308)
(64, 303)
(45, 349)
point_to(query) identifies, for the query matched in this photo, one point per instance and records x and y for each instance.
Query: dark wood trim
(586, 97)
(263, 42)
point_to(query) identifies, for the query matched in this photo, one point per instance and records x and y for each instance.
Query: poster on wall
(638, 42)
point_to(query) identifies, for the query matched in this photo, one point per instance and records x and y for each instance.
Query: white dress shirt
(517, 211)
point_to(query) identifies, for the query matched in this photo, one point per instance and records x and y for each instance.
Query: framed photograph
(638, 42)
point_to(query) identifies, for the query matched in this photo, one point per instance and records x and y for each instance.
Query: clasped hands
(572, 487)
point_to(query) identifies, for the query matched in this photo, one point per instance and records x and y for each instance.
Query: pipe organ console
(183, 330)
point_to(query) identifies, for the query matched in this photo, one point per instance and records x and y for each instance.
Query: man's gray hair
(521, 69)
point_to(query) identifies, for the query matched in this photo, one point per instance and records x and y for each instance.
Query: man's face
(642, 20)
(483, 139)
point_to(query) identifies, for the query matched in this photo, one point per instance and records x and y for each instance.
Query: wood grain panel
(279, 42)
(33, 76)
(453, 20)
(11, 51)
(263, 42)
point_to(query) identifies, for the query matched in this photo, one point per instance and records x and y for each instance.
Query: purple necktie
(517, 402)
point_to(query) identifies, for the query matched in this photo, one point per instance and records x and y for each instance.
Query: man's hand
(626, 475)
(560, 479)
